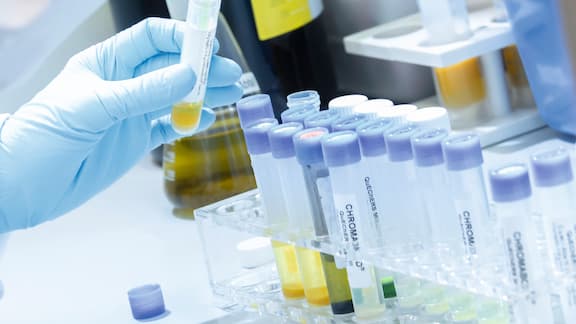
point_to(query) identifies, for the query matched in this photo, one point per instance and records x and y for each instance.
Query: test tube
(410, 231)
(342, 155)
(555, 192)
(324, 118)
(349, 122)
(430, 118)
(299, 210)
(445, 21)
(297, 114)
(345, 104)
(254, 108)
(308, 148)
(398, 113)
(439, 207)
(197, 47)
(308, 98)
(463, 156)
(268, 183)
(376, 182)
(373, 107)
(511, 193)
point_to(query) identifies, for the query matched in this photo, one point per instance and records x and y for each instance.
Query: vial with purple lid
(410, 231)
(439, 207)
(296, 115)
(306, 98)
(324, 119)
(349, 123)
(253, 108)
(464, 160)
(342, 155)
(512, 203)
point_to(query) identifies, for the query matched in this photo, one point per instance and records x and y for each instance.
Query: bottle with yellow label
(214, 164)
(286, 46)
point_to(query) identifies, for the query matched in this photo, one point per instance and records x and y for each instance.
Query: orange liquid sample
(288, 271)
(186, 116)
(461, 84)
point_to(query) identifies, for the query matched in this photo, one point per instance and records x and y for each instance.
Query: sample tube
(555, 192)
(197, 49)
(348, 122)
(430, 118)
(268, 183)
(297, 114)
(308, 148)
(439, 207)
(345, 104)
(323, 119)
(411, 228)
(398, 113)
(463, 156)
(520, 93)
(309, 98)
(300, 218)
(445, 21)
(254, 108)
(342, 155)
(511, 193)
(373, 107)
(376, 182)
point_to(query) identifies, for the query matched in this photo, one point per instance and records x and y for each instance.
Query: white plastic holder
(498, 100)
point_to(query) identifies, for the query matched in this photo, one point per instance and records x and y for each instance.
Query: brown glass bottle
(214, 164)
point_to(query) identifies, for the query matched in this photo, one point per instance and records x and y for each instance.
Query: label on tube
(199, 60)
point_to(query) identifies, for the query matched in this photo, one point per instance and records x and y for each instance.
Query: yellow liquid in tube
(288, 271)
(462, 84)
(313, 278)
(186, 117)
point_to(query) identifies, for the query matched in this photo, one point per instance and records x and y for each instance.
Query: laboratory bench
(78, 268)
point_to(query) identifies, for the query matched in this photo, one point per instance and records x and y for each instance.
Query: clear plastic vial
(511, 193)
(197, 46)
(341, 152)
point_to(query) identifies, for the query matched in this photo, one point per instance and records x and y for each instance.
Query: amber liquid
(209, 166)
(186, 117)
(290, 278)
(313, 278)
(462, 84)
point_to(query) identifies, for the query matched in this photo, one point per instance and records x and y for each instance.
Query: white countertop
(78, 268)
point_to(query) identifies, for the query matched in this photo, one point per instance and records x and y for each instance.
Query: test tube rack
(404, 40)
(242, 217)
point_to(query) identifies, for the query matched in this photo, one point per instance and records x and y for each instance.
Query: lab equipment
(430, 118)
(323, 119)
(511, 192)
(308, 98)
(308, 149)
(254, 108)
(350, 122)
(299, 210)
(520, 92)
(408, 234)
(258, 145)
(297, 115)
(376, 181)
(373, 107)
(445, 227)
(146, 302)
(197, 49)
(345, 104)
(104, 118)
(342, 155)
(212, 165)
(463, 157)
(445, 21)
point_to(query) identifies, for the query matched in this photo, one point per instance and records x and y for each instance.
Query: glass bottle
(214, 164)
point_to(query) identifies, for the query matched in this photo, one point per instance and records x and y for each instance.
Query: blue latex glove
(106, 110)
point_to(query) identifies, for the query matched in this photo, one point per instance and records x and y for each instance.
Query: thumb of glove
(149, 92)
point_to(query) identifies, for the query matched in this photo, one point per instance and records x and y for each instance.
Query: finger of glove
(223, 72)
(162, 131)
(147, 38)
(222, 96)
(147, 93)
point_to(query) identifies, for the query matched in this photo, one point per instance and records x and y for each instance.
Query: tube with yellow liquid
(201, 22)
(252, 111)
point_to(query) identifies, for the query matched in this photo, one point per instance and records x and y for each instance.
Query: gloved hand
(106, 110)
